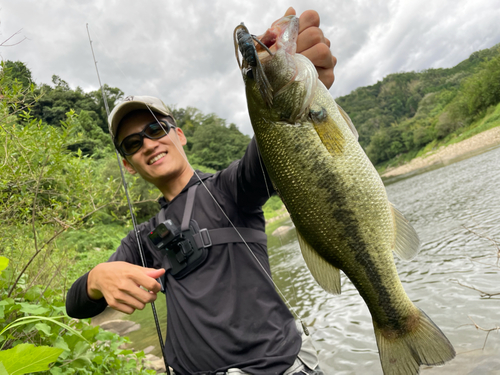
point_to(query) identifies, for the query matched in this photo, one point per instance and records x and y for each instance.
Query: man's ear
(181, 136)
(128, 166)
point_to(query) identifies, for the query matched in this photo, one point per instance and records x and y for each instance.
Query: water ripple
(444, 205)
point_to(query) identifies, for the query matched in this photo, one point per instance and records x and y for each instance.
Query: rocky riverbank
(487, 139)
(113, 321)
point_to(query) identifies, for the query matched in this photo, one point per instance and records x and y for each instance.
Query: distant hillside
(212, 143)
(405, 112)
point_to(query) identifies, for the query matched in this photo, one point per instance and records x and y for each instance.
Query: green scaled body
(336, 199)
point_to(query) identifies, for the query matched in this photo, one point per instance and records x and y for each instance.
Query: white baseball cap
(132, 103)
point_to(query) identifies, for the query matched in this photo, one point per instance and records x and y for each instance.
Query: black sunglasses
(133, 143)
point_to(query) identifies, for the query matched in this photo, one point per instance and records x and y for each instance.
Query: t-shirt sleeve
(247, 179)
(78, 304)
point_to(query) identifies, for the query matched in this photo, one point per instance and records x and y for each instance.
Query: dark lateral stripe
(344, 214)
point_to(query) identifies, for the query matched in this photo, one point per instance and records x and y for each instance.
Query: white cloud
(185, 55)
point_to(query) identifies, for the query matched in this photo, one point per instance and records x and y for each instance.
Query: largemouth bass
(334, 195)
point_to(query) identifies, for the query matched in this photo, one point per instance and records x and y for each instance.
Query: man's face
(158, 160)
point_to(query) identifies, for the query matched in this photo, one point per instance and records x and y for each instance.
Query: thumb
(290, 12)
(151, 272)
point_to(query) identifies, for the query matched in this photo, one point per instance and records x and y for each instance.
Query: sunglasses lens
(155, 131)
(132, 144)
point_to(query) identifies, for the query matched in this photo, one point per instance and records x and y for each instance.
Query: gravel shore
(484, 140)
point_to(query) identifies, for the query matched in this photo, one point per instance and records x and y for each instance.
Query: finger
(148, 282)
(290, 12)
(122, 308)
(155, 273)
(309, 38)
(326, 76)
(321, 56)
(126, 303)
(139, 294)
(308, 19)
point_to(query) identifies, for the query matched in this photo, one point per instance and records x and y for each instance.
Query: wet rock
(149, 349)
(154, 363)
(107, 314)
(121, 327)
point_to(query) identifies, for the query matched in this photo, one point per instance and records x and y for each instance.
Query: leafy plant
(46, 188)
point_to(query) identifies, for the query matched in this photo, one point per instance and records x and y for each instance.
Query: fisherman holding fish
(224, 314)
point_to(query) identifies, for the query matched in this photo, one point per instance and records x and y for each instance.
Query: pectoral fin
(326, 275)
(407, 243)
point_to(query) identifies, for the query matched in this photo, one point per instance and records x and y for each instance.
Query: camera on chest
(180, 246)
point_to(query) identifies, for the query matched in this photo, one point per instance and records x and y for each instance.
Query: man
(224, 315)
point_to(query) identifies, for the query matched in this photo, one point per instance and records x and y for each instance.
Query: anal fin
(326, 275)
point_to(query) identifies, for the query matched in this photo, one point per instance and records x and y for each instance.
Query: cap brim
(125, 107)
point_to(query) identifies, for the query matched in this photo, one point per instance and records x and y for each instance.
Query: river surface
(445, 206)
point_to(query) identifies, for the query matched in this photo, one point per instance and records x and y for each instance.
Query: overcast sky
(184, 54)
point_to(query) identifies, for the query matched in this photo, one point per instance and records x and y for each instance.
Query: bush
(45, 190)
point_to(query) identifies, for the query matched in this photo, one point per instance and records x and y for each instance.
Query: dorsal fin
(349, 121)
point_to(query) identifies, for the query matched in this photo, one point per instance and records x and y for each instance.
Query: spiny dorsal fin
(326, 275)
(349, 121)
(407, 243)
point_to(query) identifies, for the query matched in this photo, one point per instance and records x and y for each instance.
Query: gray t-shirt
(226, 313)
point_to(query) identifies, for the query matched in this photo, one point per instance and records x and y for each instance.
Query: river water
(453, 209)
(444, 206)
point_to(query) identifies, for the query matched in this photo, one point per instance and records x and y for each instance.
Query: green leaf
(90, 332)
(7, 301)
(25, 358)
(98, 359)
(3, 371)
(32, 294)
(33, 309)
(45, 328)
(61, 344)
(34, 319)
(4, 262)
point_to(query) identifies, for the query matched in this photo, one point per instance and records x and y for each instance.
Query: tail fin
(424, 345)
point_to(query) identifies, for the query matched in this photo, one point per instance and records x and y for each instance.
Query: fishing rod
(138, 238)
(134, 223)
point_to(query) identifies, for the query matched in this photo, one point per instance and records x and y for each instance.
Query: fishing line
(180, 150)
(134, 223)
(292, 309)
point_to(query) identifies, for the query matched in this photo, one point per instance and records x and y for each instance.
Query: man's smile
(156, 158)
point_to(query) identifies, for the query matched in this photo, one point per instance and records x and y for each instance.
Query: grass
(490, 120)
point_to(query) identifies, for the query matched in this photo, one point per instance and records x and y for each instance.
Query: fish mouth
(280, 39)
(282, 34)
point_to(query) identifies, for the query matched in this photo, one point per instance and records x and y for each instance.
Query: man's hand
(120, 284)
(313, 44)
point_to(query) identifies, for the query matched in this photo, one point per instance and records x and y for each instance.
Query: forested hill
(212, 143)
(404, 112)
(396, 118)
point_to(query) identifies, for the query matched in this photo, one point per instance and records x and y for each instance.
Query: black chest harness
(186, 248)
